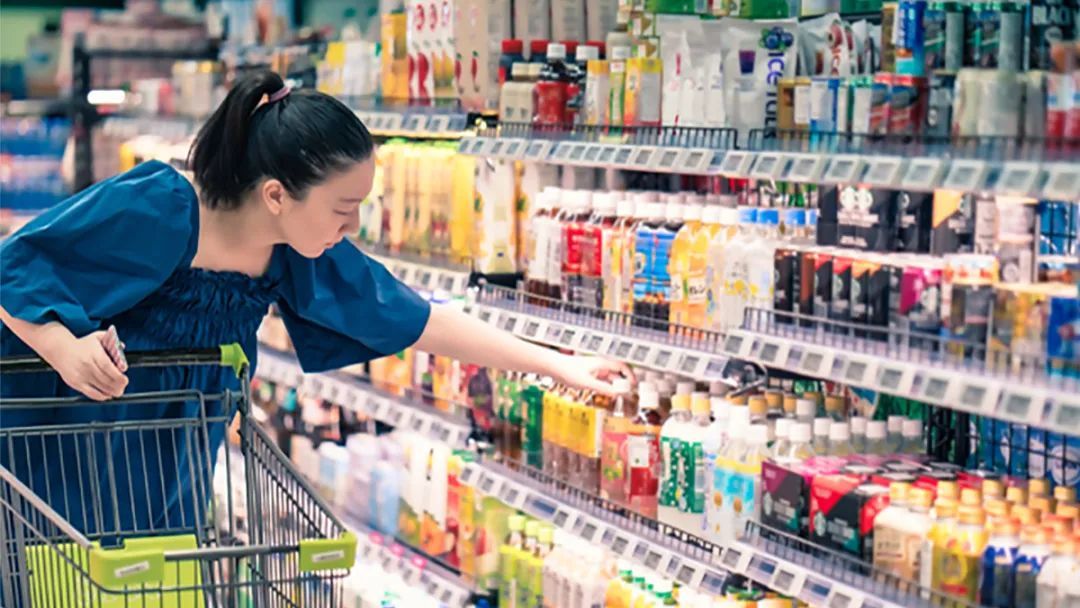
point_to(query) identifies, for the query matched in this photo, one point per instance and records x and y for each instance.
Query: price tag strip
(923, 174)
(1062, 182)
(885, 171)
(844, 169)
(1019, 178)
(966, 175)
(807, 168)
(736, 163)
(769, 165)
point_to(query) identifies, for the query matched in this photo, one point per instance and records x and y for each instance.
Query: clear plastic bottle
(942, 523)
(716, 440)
(691, 493)
(594, 247)
(613, 467)
(858, 434)
(643, 456)
(913, 439)
(728, 219)
(735, 270)
(619, 290)
(889, 548)
(876, 442)
(996, 582)
(781, 443)
(665, 239)
(720, 530)
(536, 283)
(840, 439)
(760, 259)
(805, 410)
(800, 448)
(1056, 573)
(672, 436)
(574, 225)
(1033, 552)
(679, 267)
(744, 486)
(895, 436)
(821, 434)
(759, 413)
(834, 407)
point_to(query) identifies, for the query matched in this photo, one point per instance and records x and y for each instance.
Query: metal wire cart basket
(98, 525)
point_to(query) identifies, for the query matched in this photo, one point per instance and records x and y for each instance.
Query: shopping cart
(285, 549)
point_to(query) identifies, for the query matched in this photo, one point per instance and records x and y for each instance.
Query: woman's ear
(273, 195)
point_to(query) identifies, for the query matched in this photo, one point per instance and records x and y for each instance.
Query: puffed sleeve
(101, 251)
(344, 308)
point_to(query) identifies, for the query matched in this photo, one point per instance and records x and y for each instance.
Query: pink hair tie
(281, 93)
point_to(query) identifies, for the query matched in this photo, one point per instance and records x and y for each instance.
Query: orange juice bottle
(961, 558)
(679, 267)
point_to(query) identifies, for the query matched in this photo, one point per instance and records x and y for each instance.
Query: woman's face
(328, 213)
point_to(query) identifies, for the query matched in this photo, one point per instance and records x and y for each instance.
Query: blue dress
(120, 254)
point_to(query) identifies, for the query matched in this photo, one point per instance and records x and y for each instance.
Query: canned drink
(880, 104)
(943, 36)
(1010, 50)
(888, 36)
(1001, 98)
(910, 38)
(907, 104)
(1052, 21)
(939, 105)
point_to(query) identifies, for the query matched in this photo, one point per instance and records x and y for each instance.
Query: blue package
(1016, 450)
(1063, 336)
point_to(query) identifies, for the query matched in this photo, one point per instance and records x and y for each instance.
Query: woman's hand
(85, 365)
(590, 373)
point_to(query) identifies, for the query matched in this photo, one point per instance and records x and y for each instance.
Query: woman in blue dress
(278, 176)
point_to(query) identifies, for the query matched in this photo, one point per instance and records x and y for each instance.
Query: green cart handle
(226, 355)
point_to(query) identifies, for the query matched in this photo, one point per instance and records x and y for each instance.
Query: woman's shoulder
(153, 185)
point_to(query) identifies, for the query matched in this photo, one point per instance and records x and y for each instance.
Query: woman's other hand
(591, 373)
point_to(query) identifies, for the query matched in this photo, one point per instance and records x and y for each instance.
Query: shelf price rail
(946, 373)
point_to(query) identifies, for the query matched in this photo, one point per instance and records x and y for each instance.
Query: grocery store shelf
(628, 536)
(357, 395)
(1004, 166)
(422, 124)
(683, 351)
(891, 365)
(424, 274)
(417, 569)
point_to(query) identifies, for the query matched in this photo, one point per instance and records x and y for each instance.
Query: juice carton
(443, 49)
(642, 98)
(421, 81)
(455, 495)
(480, 28)
(1063, 333)
(842, 512)
(462, 205)
(395, 57)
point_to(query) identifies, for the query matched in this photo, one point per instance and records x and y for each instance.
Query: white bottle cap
(684, 388)
(896, 424)
(646, 385)
(626, 207)
(710, 214)
(556, 50)
(642, 199)
(554, 193)
(738, 419)
(586, 52)
(821, 426)
(717, 387)
(672, 197)
(580, 200)
(604, 203)
(759, 434)
(858, 425)
(729, 216)
(720, 407)
(665, 387)
(693, 198)
(913, 428)
(875, 429)
(800, 432)
(653, 376)
(692, 212)
(805, 408)
(654, 210)
(839, 431)
(783, 428)
(648, 400)
(673, 211)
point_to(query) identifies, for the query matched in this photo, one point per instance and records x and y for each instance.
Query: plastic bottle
(719, 528)
(665, 238)
(691, 493)
(942, 523)
(962, 554)
(996, 584)
(643, 456)
(744, 482)
(552, 90)
(1032, 554)
(728, 219)
(912, 437)
(899, 532)
(895, 436)
(1066, 494)
(679, 264)
(510, 553)
(840, 439)
(876, 442)
(619, 587)
(759, 413)
(550, 245)
(699, 303)
(1016, 495)
(858, 434)
(613, 465)
(1056, 573)
(781, 442)
(598, 233)
(574, 224)
(800, 448)
(821, 434)
(736, 271)
(760, 259)
(672, 436)
(575, 88)
(664, 592)
(805, 410)
(646, 287)
(619, 274)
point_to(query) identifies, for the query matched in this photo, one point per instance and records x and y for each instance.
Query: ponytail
(260, 132)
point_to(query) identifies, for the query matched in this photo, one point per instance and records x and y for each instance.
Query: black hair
(299, 140)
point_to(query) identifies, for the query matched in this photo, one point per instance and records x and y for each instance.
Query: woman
(279, 177)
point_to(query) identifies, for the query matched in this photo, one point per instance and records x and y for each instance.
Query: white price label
(966, 175)
(1019, 178)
